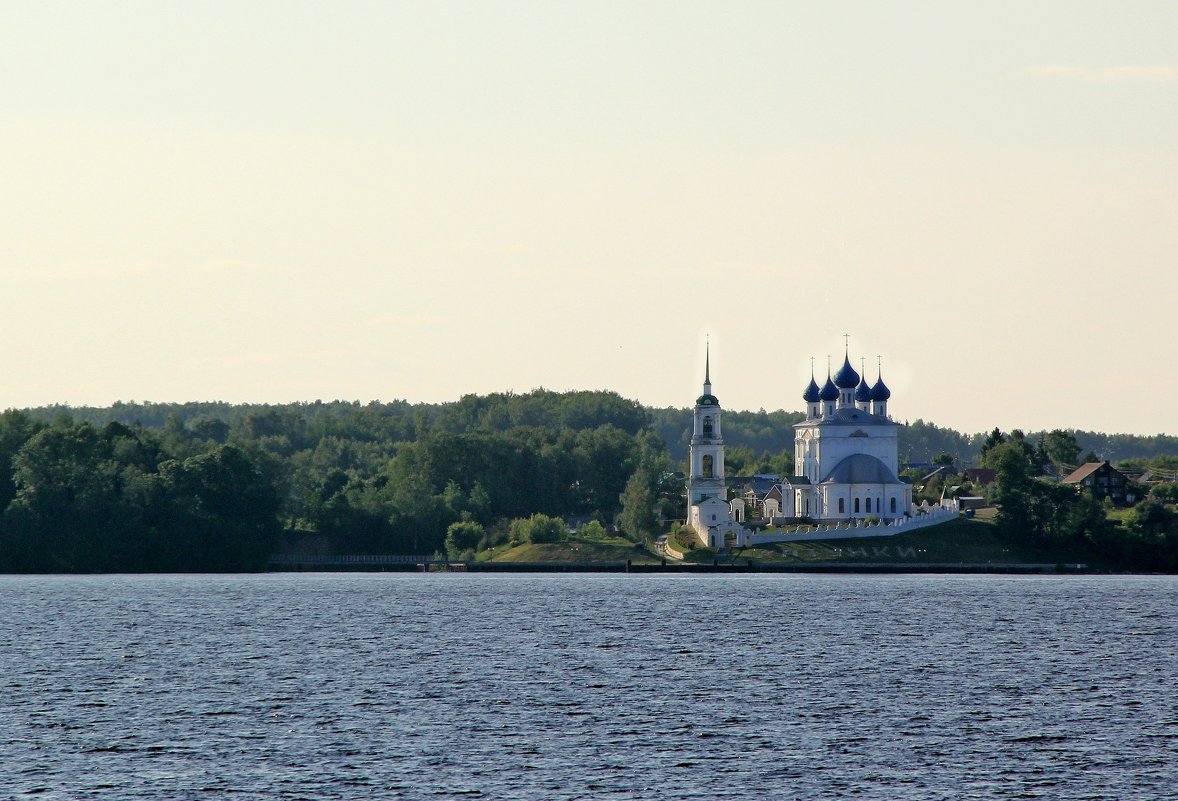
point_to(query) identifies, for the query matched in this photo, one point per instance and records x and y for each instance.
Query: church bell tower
(706, 477)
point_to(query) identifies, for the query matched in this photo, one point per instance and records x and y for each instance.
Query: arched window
(707, 426)
(856, 506)
(707, 465)
(842, 506)
(893, 505)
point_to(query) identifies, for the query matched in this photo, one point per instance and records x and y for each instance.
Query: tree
(1164, 493)
(67, 514)
(1011, 484)
(932, 491)
(638, 518)
(16, 428)
(993, 440)
(1150, 517)
(922, 441)
(222, 513)
(602, 459)
(1061, 447)
(592, 530)
(1019, 440)
(739, 461)
(1042, 458)
(213, 429)
(478, 502)
(539, 528)
(548, 529)
(465, 535)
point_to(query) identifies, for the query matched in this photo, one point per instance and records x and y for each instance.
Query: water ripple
(588, 687)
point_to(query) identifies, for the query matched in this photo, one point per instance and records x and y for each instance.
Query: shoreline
(622, 567)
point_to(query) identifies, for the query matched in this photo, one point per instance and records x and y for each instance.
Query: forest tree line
(759, 431)
(215, 486)
(218, 487)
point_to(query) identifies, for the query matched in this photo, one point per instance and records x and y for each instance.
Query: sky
(291, 201)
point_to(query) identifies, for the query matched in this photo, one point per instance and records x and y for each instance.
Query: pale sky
(285, 201)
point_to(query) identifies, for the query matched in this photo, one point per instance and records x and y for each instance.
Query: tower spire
(707, 398)
(708, 362)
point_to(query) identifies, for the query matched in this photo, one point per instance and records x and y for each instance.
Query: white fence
(855, 528)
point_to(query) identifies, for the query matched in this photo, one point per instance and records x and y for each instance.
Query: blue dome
(880, 391)
(829, 391)
(812, 393)
(860, 468)
(846, 377)
(863, 392)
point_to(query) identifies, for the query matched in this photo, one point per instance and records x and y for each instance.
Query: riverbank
(735, 566)
(958, 546)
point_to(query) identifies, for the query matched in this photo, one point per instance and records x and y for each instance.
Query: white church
(845, 457)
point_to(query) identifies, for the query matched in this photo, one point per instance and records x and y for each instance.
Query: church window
(841, 506)
(707, 426)
(707, 465)
(893, 505)
(856, 506)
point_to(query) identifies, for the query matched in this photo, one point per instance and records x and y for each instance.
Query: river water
(326, 686)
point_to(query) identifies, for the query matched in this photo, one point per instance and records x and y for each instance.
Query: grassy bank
(960, 541)
(573, 550)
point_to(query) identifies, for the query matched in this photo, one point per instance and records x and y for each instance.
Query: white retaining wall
(853, 529)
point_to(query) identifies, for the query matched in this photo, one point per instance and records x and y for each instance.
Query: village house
(1104, 481)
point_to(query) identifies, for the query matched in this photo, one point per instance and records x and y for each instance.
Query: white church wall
(836, 502)
(853, 529)
(830, 496)
(834, 446)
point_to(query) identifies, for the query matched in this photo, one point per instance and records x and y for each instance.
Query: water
(588, 686)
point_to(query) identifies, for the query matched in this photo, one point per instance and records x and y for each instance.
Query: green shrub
(547, 529)
(538, 528)
(593, 530)
(465, 535)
